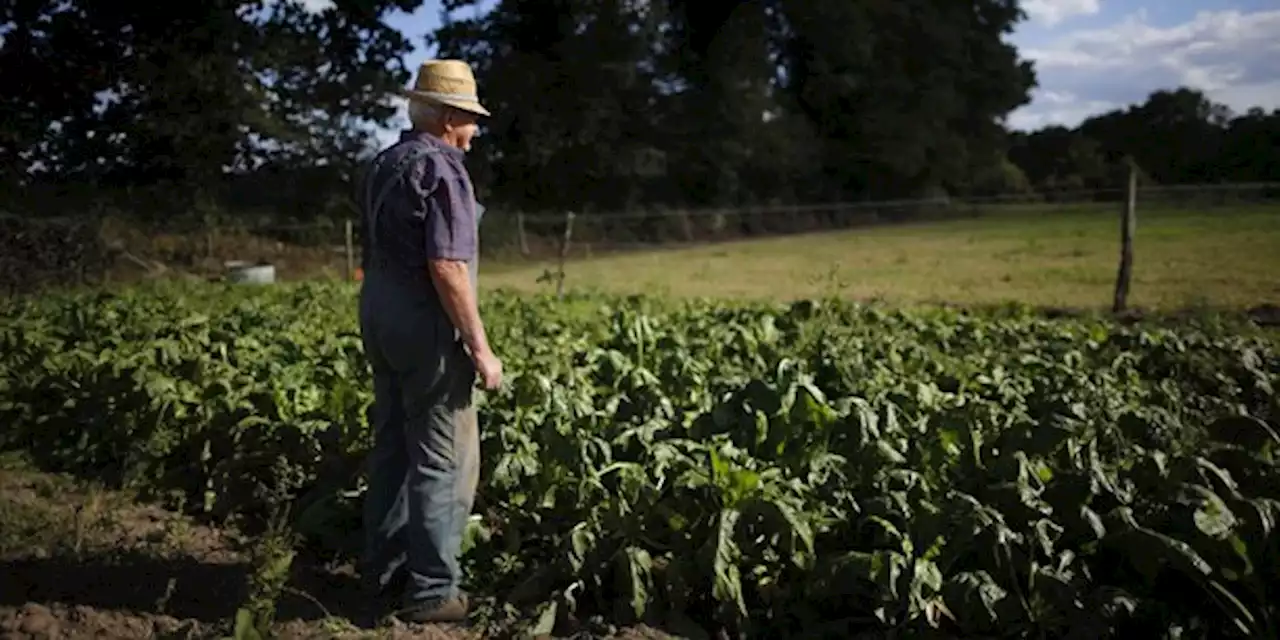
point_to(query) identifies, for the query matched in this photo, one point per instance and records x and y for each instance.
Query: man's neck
(422, 134)
(440, 135)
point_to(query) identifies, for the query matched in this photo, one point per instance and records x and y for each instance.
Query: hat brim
(464, 105)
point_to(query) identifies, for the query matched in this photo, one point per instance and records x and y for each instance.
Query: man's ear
(455, 117)
(452, 117)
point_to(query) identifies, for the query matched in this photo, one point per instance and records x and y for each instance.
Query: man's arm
(453, 283)
(451, 243)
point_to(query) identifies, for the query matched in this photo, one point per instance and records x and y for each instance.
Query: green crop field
(1212, 257)
(813, 469)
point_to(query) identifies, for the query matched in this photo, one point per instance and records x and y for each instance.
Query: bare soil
(78, 561)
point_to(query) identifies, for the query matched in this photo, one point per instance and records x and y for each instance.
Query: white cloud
(314, 6)
(1051, 12)
(1054, 107)
(1227, 54)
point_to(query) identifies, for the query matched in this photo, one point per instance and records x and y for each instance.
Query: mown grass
(1212, 258)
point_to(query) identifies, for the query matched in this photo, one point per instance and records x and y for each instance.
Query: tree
(178, 96)
(1250, 151)
(1056, 158)
(904, 93)
(738, 102)
(737, 135)
(571, 87)
(1176, 136)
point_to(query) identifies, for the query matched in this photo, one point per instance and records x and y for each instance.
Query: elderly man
(426, 344)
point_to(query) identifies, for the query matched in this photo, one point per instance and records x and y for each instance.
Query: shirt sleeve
(448, 221)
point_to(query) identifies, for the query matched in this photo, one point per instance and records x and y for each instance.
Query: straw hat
(447, 82)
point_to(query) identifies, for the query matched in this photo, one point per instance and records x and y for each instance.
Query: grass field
(1220, 257)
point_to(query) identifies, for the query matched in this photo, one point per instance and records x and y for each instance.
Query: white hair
(425, 115)
(422, 114)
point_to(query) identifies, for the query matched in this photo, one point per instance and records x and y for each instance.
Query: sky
(1096, 55)
(1093, 56)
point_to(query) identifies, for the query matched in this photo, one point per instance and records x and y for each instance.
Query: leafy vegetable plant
(779, 470)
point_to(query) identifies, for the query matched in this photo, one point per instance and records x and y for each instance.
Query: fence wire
(33, 249)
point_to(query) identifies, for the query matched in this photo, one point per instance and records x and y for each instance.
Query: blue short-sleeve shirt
(428, 209)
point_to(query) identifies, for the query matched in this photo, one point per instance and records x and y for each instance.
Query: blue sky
(1096, 55)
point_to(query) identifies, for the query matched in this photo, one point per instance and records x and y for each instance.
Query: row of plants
(784, 470)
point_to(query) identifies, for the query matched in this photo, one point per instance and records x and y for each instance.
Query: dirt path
(81, 562)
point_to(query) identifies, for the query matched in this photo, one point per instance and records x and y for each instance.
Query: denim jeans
(425, 463)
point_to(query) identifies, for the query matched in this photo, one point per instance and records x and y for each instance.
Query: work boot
(450, 610)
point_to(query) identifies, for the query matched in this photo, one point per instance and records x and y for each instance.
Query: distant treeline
(194, 113)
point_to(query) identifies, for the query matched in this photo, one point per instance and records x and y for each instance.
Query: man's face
(462, 127)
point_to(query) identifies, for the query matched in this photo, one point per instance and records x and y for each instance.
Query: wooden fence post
(524, 240)
(564, 253)
(1128, 224)
(350, 250)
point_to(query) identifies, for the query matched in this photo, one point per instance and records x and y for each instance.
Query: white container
(241, 272)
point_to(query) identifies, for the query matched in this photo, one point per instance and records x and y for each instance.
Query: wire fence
(329, 248)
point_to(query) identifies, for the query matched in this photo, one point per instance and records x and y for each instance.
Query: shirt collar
(428, 138)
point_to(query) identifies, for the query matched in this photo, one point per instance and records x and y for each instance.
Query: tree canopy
(180, 96)
(599, 104)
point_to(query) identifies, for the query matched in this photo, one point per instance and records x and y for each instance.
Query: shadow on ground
(79, 561)
(183, 587)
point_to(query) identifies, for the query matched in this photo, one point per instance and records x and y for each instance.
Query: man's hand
(488, 369)
(453, 283)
